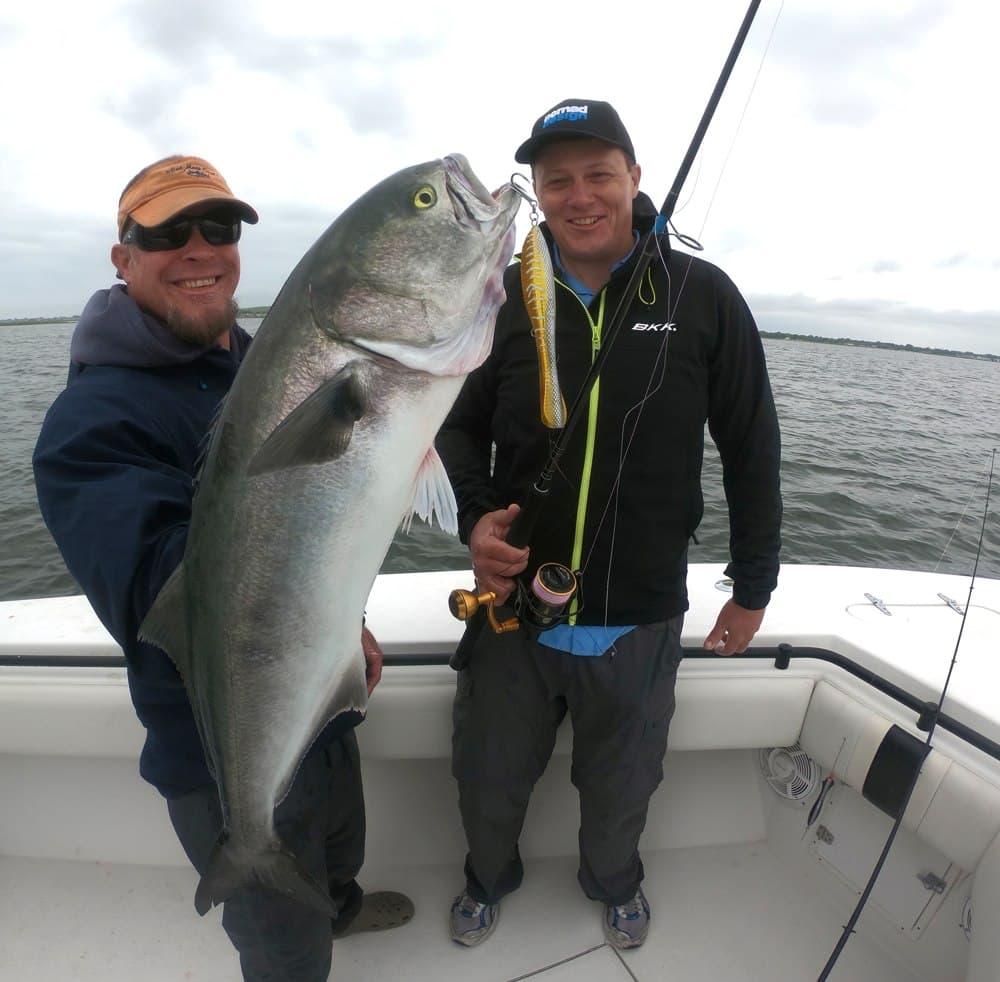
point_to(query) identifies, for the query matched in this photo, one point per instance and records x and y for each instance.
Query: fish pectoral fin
(433, 497)
(319, 429)
(166, 623)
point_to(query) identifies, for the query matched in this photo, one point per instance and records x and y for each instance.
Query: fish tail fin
(277, 869)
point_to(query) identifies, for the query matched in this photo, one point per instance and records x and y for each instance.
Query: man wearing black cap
(621, 508)
(150, 361)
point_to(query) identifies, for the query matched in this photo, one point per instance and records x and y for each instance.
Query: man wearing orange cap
(150, 361)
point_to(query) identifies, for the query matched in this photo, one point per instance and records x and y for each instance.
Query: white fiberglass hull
(96, 887)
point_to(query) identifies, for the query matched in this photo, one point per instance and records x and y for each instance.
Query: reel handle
(464, 603)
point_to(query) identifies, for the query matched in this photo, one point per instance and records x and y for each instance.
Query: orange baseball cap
(169, 186)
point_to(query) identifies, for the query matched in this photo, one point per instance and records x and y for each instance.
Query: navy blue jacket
(114, 468)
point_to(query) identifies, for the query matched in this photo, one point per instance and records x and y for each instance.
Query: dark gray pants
(509, 702)
(322, 821)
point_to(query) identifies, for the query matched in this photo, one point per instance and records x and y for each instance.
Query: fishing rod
(555, 584)
(524, 524)
(932, 712)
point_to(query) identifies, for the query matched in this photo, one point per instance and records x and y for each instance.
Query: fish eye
(426, 197)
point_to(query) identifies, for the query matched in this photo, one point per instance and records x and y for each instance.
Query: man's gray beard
(202, 333)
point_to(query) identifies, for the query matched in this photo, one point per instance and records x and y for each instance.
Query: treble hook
(532, 202)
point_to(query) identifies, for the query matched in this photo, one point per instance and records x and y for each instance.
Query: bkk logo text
(654, 327)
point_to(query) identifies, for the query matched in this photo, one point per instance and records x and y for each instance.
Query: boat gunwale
(782, 655)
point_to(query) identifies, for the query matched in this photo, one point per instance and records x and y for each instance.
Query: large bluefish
(323, 444)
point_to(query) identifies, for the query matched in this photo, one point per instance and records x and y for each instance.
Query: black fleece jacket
(688, 353)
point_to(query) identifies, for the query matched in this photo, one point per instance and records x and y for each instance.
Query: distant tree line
(71, 318)
(777, 335)
(889, 345)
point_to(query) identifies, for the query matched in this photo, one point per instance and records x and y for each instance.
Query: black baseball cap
(576, 118)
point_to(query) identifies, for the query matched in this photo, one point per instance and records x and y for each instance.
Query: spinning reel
(538, 607)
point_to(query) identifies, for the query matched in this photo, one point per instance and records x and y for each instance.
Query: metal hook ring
(532, 202)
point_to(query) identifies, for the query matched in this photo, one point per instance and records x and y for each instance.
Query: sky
(847, 183)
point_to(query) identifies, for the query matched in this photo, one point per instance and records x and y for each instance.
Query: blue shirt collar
(581, 289)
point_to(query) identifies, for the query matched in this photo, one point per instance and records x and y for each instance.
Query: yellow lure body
(538, 289)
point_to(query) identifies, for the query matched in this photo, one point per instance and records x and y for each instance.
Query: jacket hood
(113, 330)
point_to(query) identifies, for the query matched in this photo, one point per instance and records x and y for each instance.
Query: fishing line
(657, 373)
(656, 378)
(520, 531)
(961, 518)
(746, 105)
(523, 525)
(736, 133)
(660, 367)
(653, 384)
(660, 363)
(694, 188)
(739, 123)
(849, 927)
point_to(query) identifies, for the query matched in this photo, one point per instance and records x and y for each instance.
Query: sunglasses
(173, 235)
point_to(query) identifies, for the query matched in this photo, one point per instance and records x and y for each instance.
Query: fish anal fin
(433, 497)
(319, 429)
(350, 696)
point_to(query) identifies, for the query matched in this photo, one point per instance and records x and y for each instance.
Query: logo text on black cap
(565, 114)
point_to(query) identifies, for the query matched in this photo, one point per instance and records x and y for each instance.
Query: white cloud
(861, 170)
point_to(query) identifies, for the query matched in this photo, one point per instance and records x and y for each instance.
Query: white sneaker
(627, 925)
(472, 922)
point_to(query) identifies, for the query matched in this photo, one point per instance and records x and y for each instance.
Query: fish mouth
(472, 203)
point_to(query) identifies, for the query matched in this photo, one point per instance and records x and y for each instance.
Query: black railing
(782, 656)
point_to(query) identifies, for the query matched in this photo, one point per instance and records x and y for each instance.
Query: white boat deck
(747, 897)
(729, 912)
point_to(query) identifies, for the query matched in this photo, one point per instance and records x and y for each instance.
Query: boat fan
(790, 771)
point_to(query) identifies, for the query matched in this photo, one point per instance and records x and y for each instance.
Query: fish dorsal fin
(433, 496)
(319, 429)
(166, 623)
(205, 446)
(166, 626)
